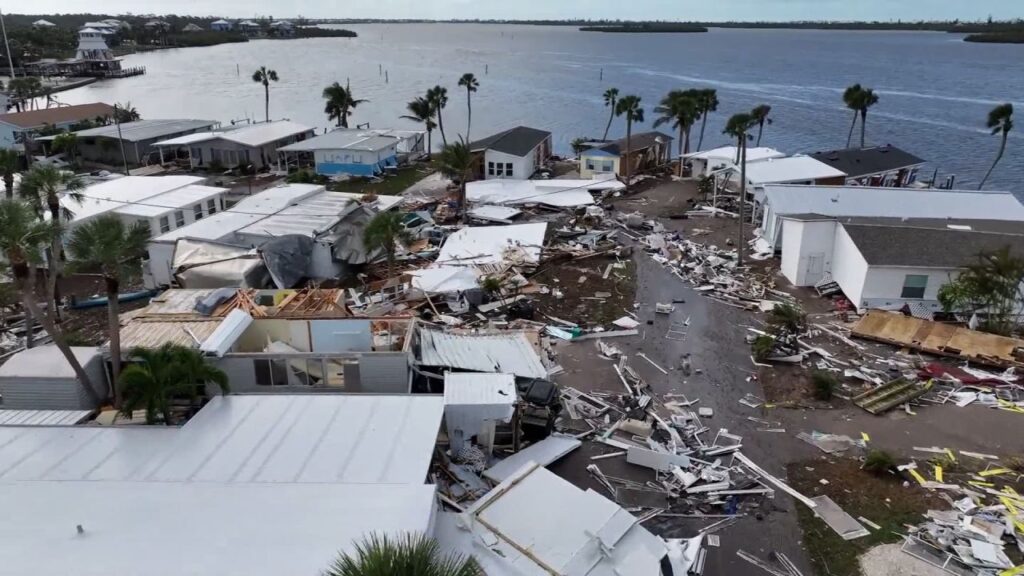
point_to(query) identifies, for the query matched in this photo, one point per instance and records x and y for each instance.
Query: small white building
(253, 145)
(348, 152)
(192, 27)
(41, 378)
(710, 161)
(647, 150)
(515, 153)
(105, 27)
(43, 24)
(889, 262)
(221, 26)
(92, 46)
(788, 170)
(854, 201)
(164, 203)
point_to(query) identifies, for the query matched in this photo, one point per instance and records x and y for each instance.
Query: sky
(708, 10)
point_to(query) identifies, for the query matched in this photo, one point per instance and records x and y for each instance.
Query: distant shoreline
(997, 38)
(646, 29)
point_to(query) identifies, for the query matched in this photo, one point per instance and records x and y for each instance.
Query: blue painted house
(349, 152)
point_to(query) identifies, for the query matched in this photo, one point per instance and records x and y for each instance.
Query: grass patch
(881, 499)
(391, 185)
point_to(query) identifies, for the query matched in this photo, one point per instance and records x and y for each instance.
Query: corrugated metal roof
(46, 362)
(343, 139)
(897, 202)
(791, 169)
(462, 388)
(144, 129)
(180, 199)
(338, 439)
(177, 301)
(119, 192)
(153, 334)
(488, 244)
(43, 417)
(506, 352)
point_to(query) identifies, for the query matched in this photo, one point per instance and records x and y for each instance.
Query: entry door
(815, 268)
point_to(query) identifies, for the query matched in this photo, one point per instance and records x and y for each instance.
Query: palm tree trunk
(629, 151)
(114, 327)
(462, 198)
(440, 126)
(760, 130)
(703, 124)
(999, 156)
(682, 135)
(469, 112)
(853, 125)
(609, 126)
(56, 250)
(743, 194)
(430, 144)
(9, 185)
(266, 103)
(344, 118)
(687, 149)
(863, 126)
(28, 297)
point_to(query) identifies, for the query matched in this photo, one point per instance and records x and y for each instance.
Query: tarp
(445, 279)
(348, 241)
(287, 259)
(203, 264)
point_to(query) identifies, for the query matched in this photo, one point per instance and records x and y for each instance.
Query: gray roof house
(516, 153)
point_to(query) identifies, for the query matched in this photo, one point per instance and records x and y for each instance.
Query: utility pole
(743, 192)
(7, 45)
(120, 139)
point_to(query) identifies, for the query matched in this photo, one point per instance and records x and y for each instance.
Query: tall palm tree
(851, 97)
(8, 166)
(22, 240)
(611, 98)
(158, 376)
(629, 106)
(67, 143)
(739, 127)
(114, 250)
(1000, 121)
(681, 109)
(42, 187)
(708, 103)
(340, 103)
(406, 555)
(421, 110)
(456, 162)
(438, 98)
(385, 232)
(265, 77)
(471, 84)
(125, 113)
(760, 114)
(866, 100)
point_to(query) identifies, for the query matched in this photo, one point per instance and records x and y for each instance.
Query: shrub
(762, 347)
(825, 384)
(879, 462)
(787, 317)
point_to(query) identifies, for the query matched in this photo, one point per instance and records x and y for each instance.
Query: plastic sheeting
(287, 259)
(202, 264)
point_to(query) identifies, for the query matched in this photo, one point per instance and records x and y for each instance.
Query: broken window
(914, 286)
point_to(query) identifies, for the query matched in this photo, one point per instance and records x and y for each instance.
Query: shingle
(858, 162)
(518, 141)
(912, 245)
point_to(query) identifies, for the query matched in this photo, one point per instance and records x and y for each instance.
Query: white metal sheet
(544, 452)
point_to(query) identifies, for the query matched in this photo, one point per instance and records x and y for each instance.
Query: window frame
(165, 224)
(179, 218)
(211, 206)
(197, 211)
(509, 170)
(913, 288)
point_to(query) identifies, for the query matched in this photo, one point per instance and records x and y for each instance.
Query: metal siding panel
(384, 373)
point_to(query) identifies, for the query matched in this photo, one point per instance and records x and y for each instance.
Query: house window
(914, 286)
(608, 166)
(165, 224)
(590, 164)
(198, 211)
(211, 206)
(508, 169)
(179, 219)
(490, 168)
(499, 169)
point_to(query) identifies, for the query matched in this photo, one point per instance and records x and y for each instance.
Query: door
(815, 268)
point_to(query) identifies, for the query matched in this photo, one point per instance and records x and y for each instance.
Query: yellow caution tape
(920, 479)
(938, 473)
(994, 472)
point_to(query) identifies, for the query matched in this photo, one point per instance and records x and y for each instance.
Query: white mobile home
(104, 143)
(41, 379)
(514, 153)
(889, 262)
(255, 145)
(709, 161)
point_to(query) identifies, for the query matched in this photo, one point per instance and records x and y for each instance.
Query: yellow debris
(865, 436)
(1015, 571)
(994, 472)
(981, 484)
(950, 453)
(920, 479)
(938, 473)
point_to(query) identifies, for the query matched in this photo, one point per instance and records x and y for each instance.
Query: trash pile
(986, 516)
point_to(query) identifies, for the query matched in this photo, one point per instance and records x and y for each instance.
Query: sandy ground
(889, 560)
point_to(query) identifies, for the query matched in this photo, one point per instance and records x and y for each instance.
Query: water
(935, 89)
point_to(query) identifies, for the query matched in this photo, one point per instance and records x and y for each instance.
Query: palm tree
(681, 109)
(611, 98)
(8, 166)
(406, 555)
(420, 110)
(471, 84)
(340, 103)
(125, 113)
(708, 101)
(265, 77)
(760, 114)
(456, 162)
(160, 375)
(578, 146)
(22, 240)
(739, 127)
(438, 98)
(1000, 121)
(629, 106)
(851, 97)
(385, 232)
(866, 100)
(108, 247)
(41, 187)
(68, 144)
